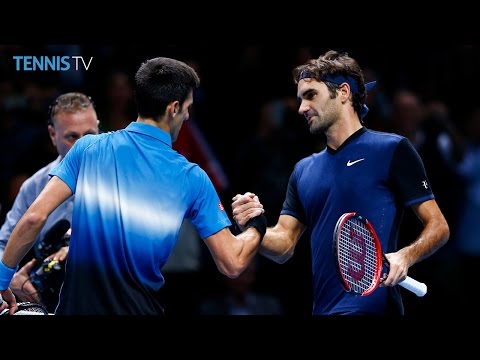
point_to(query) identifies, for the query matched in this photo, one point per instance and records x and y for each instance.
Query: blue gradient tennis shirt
(132, 192)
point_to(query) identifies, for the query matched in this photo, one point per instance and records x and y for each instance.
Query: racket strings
(357, 256)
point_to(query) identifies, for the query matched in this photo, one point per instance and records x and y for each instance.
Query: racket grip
(414, 286)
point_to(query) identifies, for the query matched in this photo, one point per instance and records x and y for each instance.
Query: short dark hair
(160, 81)
(71, 102)
(331, 64)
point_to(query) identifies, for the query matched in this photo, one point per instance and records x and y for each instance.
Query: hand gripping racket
(360, 258)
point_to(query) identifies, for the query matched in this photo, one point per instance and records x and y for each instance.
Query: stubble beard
(320, 126)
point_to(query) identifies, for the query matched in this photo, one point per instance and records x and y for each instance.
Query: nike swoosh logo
(354, 162)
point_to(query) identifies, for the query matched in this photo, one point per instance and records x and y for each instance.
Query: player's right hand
(246, 207)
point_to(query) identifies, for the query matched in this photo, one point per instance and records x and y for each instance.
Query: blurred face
(69, 127)
(407, 113)
(182, 115)
(316, 104)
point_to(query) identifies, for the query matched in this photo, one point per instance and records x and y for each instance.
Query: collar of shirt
(150, 130)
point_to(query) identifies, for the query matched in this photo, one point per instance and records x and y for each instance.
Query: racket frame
(378, 253)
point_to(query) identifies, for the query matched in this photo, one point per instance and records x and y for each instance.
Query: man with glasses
(71, 116)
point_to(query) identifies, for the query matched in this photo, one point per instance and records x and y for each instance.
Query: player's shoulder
(88, 140)
(384, 136)
(311, 158)
(183, 163)
(191, 170)
(383, 139)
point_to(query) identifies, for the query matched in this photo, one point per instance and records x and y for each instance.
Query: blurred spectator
(441, 149)
(406, 115)
(120, 107)
(437, 141)
(377, 102)
(467, 237)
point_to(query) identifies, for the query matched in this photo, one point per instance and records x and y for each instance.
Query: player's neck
(161, 124)
(341, 131)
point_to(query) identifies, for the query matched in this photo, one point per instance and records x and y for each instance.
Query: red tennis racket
(360, 258)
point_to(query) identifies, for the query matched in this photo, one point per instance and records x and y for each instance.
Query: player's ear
(174, 108)
(344, 90)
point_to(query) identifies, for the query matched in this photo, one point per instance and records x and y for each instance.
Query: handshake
(248, 212)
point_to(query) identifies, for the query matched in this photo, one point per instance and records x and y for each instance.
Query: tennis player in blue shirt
(132, 193)
(372, 173)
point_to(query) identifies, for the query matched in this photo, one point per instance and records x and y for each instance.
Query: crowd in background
(246, 133)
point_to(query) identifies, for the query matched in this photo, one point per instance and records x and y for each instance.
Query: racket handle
(414, 286)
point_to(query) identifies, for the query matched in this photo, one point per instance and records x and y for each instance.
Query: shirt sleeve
(408, 175)
(292, 205)
(207, 212)
(67, 170)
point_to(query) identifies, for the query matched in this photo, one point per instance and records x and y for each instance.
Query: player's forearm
(11, 220)
(22, 238)
(433, 237)
(3, 242)
(277, 246)
(239, 253)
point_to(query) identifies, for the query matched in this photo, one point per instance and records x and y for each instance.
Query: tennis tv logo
(51, 63)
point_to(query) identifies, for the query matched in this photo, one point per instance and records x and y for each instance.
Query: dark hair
(69, 102)
(160, 81)
(331, 64)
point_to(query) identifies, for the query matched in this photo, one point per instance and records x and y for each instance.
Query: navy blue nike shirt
(373, 173)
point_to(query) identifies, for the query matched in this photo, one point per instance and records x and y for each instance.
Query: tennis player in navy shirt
(132, 193)
(372, 173)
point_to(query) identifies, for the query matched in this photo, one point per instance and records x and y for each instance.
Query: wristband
(6, 275)
(259, 223)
